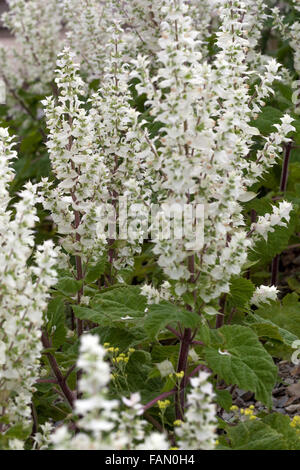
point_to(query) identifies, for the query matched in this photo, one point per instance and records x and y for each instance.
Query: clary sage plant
(141, 225)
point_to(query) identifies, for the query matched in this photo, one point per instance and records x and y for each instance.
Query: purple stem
(283, 185)
(68, 394)
(182, 366)
(175, 333)
(164, 395)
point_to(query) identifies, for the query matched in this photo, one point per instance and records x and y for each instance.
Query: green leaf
(116, 337)
(138, 369)
(237, 356)
(285, 314)
(95, 270)
(266, 120)
(68, 286)
(18, 431)
(241, 291)
(266, 329)
(86, 313)
(264, 251)
(119, 303)
(56, 321)
(282, 424)
(273, 432)
(255, 435)
(224, 399)
(159, 316)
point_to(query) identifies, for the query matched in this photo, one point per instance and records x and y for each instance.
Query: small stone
(247, 396)
(293, 408)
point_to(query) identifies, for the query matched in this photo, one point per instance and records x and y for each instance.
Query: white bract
(103, 422)
(267, 222)
(198, 431)
(87, 26)
(76, 163)
(204, 154)
(36, 26)
(264, 294)
(24, 294)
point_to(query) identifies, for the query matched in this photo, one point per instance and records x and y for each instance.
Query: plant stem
(185, 342)
(220, 316)
(34, 415)
(175, 333)
(164, 395)
(283, 185)
(61, 380)
(79, 295)
(181, 367)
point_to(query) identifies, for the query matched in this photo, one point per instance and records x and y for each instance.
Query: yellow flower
(233, 408)
(106, 345)
(295, 421)
(163, 404)
(131, 350)
(180, 375)
(177, 422)
(253, 417)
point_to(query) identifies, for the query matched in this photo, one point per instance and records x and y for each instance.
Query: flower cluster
(244, 414)
(94, 167)
(198, 429)
(87, 26)
(263, 295)
(103, 424)
(206, 140)
(267, 222)
(24, 294)
(76, 164)
(36, 26)
(128, 159)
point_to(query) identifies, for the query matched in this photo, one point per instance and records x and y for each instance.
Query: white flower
(152, 294)
(156, 441)
(266, 223)
(24, 294)
(263, 295)
(102, 423)
(197, 432)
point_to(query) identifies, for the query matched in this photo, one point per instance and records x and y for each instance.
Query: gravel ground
(286, 394)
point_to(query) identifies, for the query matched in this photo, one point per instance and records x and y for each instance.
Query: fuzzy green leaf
(159, 316)
(237, 356)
